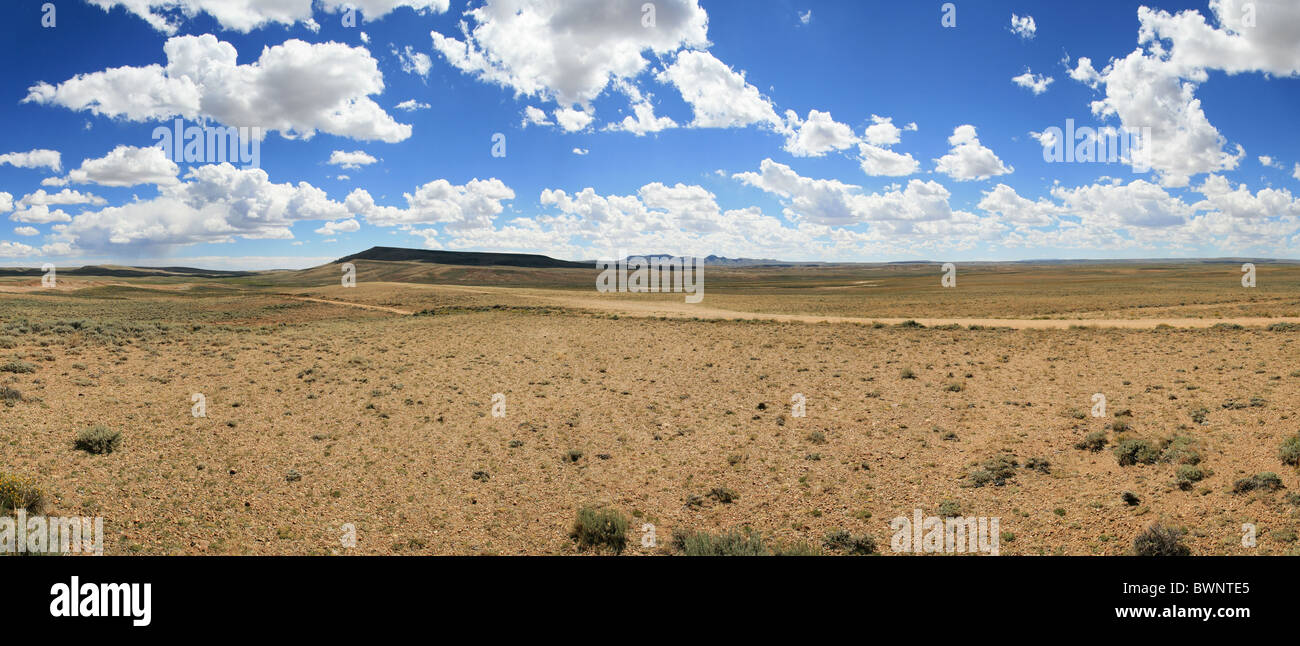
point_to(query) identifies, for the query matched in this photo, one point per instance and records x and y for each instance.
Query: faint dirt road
(680, 309)
(686, 310)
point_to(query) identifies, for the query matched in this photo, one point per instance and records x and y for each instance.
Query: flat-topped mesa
(465, 258)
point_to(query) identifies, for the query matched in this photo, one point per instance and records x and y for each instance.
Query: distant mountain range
(480, 259)
(128, 272)
(722, 261)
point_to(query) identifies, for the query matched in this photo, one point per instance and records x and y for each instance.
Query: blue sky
(792, 129)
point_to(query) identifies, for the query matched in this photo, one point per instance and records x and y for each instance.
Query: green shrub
(737, 543)
(1135, 451)
(1290, 451)
(996, 471)
(1040, 465)
(1179, 450)
(600, 528)
(949, 508)
(1254, 402)
(728, 543)
(1157, 540)
(723, 495)
(98, 440)
(17, 367)
(1187, 475)
(840, 540)
(18, 492)
(907, 373)
(1094, 441)
(10, 396)
(1265, 481)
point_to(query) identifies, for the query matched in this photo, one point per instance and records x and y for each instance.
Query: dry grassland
(320, 415)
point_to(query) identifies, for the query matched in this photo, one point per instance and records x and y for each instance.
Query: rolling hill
(128, 272)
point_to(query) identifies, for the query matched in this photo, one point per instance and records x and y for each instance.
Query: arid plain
(372, 407)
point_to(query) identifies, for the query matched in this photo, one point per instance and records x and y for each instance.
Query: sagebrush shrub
(728, 543)
(17, 367)
(600, 529)
(840, 540)
(1180, 450)
(1158, 540)
(10, 396)
(1094, 441)
(1290, 451)
(1131, 451)
(1266, 481)
(98, 440)
(1187, 475)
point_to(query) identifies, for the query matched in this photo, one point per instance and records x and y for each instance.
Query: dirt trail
(1201, 306)
(686, 310)
(680, 309)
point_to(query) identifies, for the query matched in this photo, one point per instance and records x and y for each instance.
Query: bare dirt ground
(321, 415)
(675, 307)
(379, 308)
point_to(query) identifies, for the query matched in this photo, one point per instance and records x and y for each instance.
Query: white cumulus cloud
(64, 197)
(719, 96)
(411, 105)
(126, 166)
(1036, 83)
(570, 51)
(572, 120)
(414, 62)
(349, 225)
(817, 135)
(1155, 85)
(467, 206)
(245, 15)
(1023, 26)
(351, 160)
(283, 90)
(969, 159)
(39, 158)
